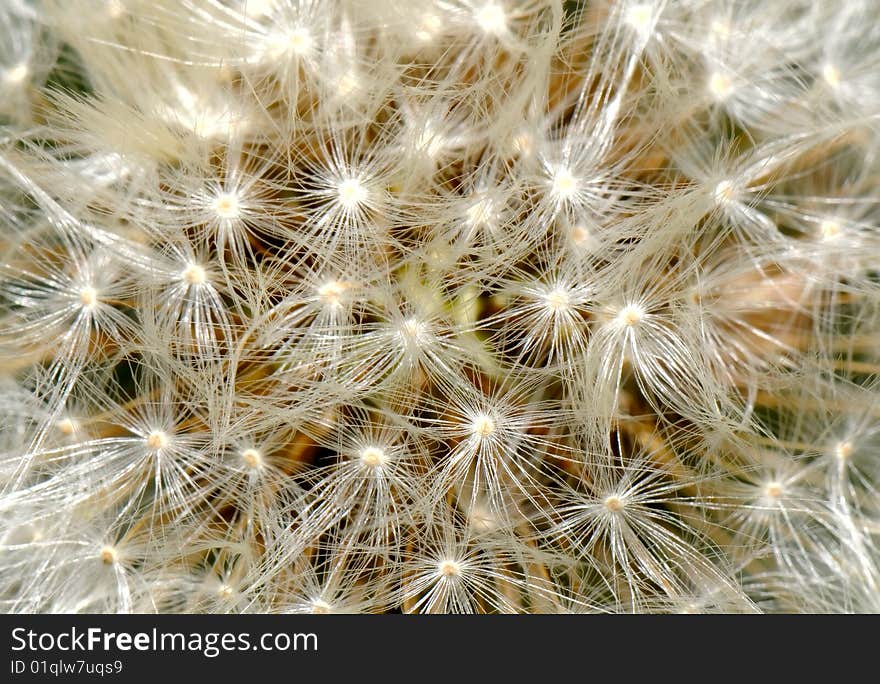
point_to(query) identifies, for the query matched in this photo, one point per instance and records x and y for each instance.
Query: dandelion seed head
(640, 18)
(297, 42)
(725, 192)
(558, 299)
(108, 555)
(429, 141)
(830, 230)
(492, 19)
(157, 440)
(300, 42)
(227, 206)
(482, 212)
(67, 426)
(351, 193)
(321, 607)
(630, 316)
(582, 238)
(428, 28)
(720, 28)
(252, 458)
(472, 306)
(774, 490)
(115, 8)
(843, 450)
(88, 297)
(412, 330)
(347, 84)
(449, 569)
(194, 274)
(482, 426)
(374, 457)
(330, 293)
(16, 75)
(614, 503)
(720, 86)
(523, 144)
(832, 76)
(564, 183)
(482, 519)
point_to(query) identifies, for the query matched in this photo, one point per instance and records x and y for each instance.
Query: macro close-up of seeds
(445, 306)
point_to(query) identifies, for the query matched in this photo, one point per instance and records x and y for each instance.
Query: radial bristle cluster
(443, 306)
